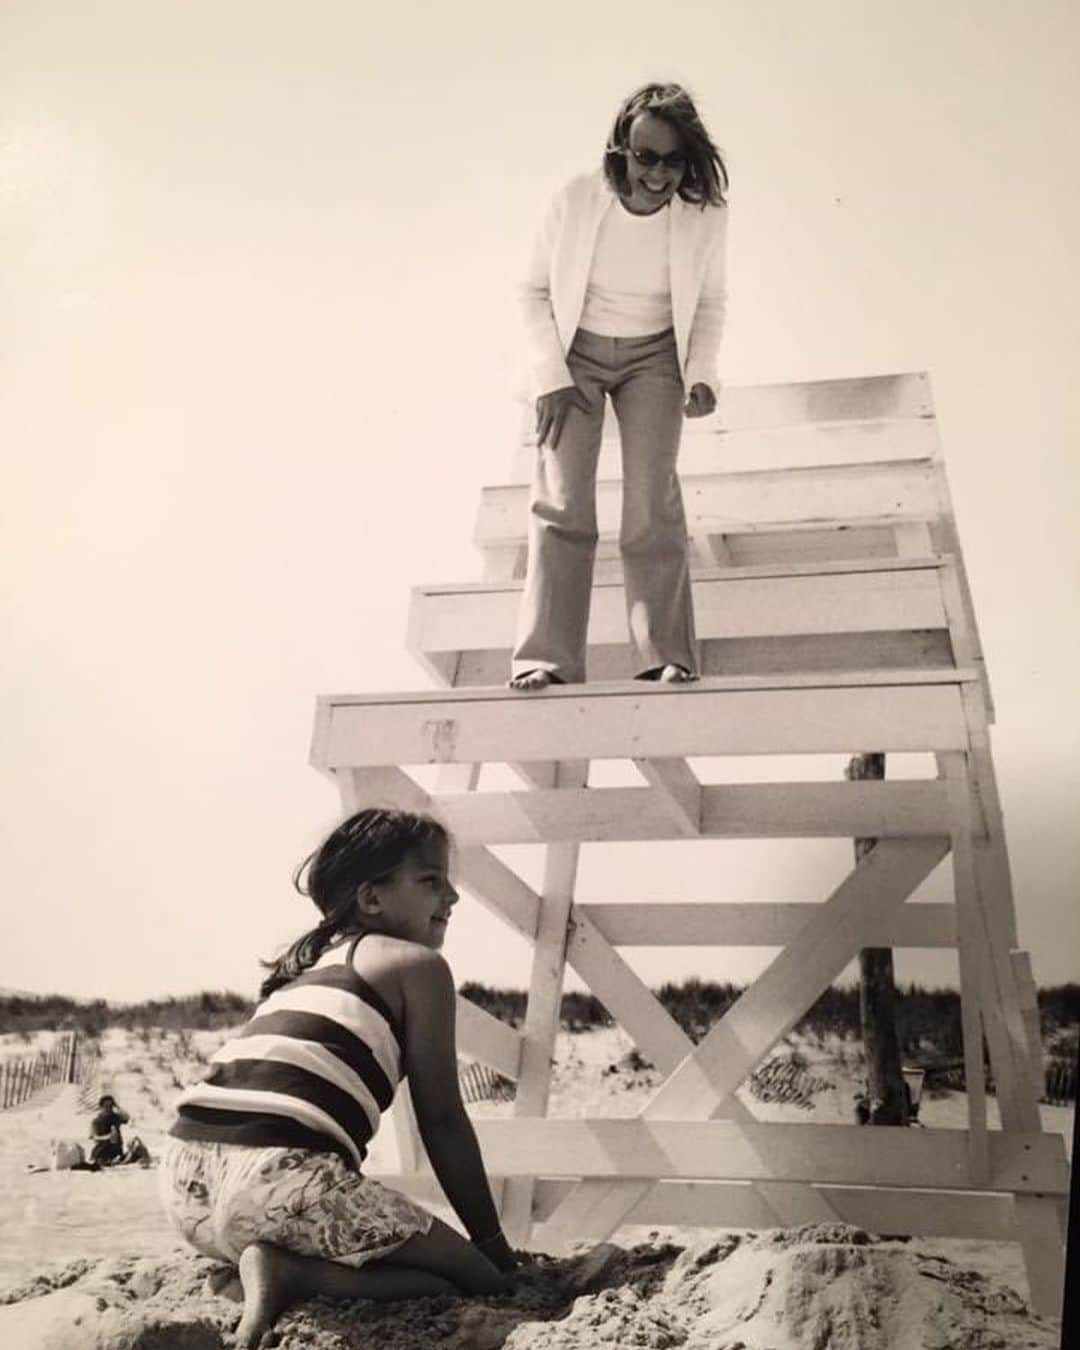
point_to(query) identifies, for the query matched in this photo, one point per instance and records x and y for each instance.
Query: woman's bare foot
(673, 674)
(266, 1274)
(669, 674)
(531, 680)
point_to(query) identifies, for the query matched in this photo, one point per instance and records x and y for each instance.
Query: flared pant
(642, 378)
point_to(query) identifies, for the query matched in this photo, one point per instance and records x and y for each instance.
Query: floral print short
(223, 1197)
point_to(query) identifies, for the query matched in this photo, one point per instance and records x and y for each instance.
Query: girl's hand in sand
(701, 402)
(499, 1252)
(551, 411)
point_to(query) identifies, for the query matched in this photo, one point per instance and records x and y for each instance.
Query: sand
(805, 1289)
(89, 1260)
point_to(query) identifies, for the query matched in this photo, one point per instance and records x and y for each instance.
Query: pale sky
(256, 287)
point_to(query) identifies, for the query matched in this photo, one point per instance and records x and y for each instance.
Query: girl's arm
(447, 1132)
(708, 326)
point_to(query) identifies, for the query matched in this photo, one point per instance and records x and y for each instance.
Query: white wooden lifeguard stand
(834, 616)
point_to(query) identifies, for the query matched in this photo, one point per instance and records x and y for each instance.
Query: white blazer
(552, 293)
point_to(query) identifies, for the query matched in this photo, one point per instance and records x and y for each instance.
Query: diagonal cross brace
(773, 1004)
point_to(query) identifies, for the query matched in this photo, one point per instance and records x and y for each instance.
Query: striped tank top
(315, 1068)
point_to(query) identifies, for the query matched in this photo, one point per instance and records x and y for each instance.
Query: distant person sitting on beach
(105, 1133)
(264, 1167)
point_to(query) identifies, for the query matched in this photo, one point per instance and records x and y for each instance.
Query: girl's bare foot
(274, 1279)
(266, 1276)
(534, 679)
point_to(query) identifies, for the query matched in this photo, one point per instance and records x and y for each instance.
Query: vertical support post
(544, 1006)
(888, 1099)
(1029, 1011)
(1038, 1222)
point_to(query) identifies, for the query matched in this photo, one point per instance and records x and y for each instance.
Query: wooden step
(735, 715)
(829, 497)
(804, 810)
(821, 402)
(826, 616)
(779, 426)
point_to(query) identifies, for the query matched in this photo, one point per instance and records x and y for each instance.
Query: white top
(628, 293)
(552, 291)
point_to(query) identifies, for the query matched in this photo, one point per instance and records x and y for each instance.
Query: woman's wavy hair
(369, 846)
(705, 180)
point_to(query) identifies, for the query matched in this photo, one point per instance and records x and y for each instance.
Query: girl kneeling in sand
(264, 1167)
(624, 298)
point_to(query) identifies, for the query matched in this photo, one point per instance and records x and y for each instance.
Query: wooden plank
(676, 785)
(656, 1035)
(829, 496)
(625, 995)
(754, 924)
(637, 688)
(877, 1209)
(457, 778)
(707, 445)
(716, 1204)
(778, 569)
(543, 1008)
(913, 540)
(410, 1150)
(959, 603)
(899, 395)
(769, 1008)
(546, 982)
(791, 983)
(1003, 1023)
(972, 978)
(714, 549)
(741, 604)
(919, 649)
(505, 562)
(499, 888)
(796, 1205)
(915, 710)
(488, 1039)
(1042, 1238)
(1029, 1009)
(813, 544)
(738, 1151)
(730, 811)
(896, 396)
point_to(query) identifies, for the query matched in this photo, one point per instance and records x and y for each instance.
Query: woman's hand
(701, 401)
(551, 411)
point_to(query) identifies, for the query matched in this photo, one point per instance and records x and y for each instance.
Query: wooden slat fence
(1061, 1077)
(480, 1083)
(1060, 1083)
(68, 1060)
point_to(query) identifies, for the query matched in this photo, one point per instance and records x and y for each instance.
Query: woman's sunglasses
(649, 159)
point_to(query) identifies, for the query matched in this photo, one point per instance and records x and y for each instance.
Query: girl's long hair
(706, 179)
(369, 846)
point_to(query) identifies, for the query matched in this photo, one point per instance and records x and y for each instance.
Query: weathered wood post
(888, 1099)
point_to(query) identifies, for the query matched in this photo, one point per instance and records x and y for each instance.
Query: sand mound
(818, 1288)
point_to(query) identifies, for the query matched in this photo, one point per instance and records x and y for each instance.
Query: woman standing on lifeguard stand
(624, 298)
